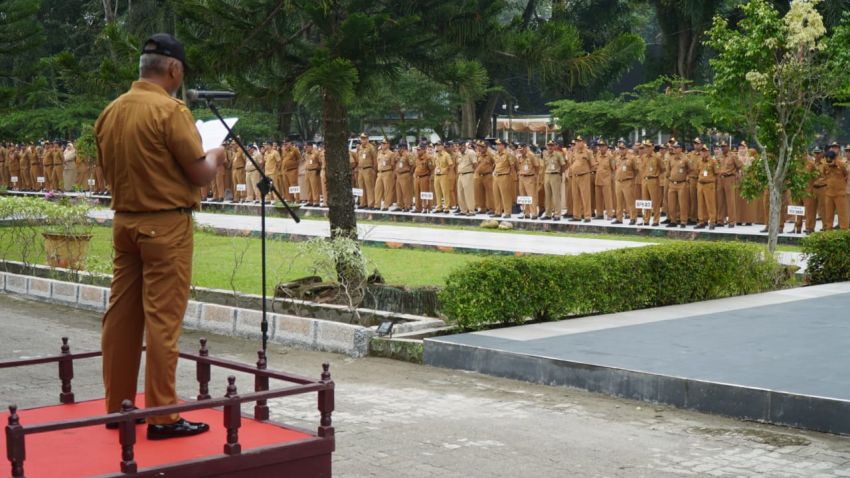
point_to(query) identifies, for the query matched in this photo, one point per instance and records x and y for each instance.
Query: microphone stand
(265, 186)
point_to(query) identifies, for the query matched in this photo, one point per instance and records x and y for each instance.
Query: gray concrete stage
(781, 357)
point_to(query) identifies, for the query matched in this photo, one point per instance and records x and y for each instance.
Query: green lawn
(215, 259)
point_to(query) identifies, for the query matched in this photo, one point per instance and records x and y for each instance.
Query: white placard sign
(241, 188)
(524, 200)
(91, 182)
(14, 179)
(639, 204)
(39, 179)
(426, 196)
(796, 210)
(294, 189)
(357, 192)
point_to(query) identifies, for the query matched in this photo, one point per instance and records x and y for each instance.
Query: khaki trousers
(453, 194)
(677, 202)
(552, 190)
(152, 269)
(422, 184)
(815, 207)
(290, 179)
(580, 186)
(47, 172)
(727, 198)
(502, 194)
(366, 182)
(83, 173)
(604, 194)
(57, 178)
(218, 184)
(528, 187)
(442, 192)
(238, 177)
(35, 172)
(692, 199)
(484, 192)
(465, 192)
(651, 190)
(314, 183)
(251, 180)
(404, 190)
(626, 199)
(836, 204)
(385, 188)
(14, 186)
(707, 207)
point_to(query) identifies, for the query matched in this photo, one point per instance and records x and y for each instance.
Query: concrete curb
(309, 333)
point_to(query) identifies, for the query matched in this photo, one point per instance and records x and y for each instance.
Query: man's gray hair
(153, 64)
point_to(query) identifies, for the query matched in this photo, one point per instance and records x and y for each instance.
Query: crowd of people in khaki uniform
(695, 186)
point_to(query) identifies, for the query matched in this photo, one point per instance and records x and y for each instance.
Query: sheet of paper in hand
(213, 132)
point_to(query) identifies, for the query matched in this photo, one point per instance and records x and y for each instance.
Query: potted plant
(66, 240)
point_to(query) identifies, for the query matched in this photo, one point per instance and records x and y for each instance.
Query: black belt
(440, 174)
(582, 174)
(497, 175)
(647, 178)
(465, 173)
(727, 175)
(821, 186)
(554, 173)
(528, 175)
(678, 182)
(365, 167)
(424, 176)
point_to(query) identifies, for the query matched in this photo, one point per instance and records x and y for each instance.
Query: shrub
(511, 290)
(828, 257)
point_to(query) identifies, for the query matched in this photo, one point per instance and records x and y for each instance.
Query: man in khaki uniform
(385, 183)
(152, 158)
(467, 160)
(834, 169)
(366, 155)
(553, 168)
(454, 152)
(529, 167)
(731, 167)
(816, 191)
(57, 171)
(313, 173)
(604, 191)
(652, 168)
(237, 172)
(708, 169)
(678, 168)
(14, 165)
(252, 174)
(581, 163)
(271, 160)
(4, 171)
(220, 173)
(291, 158)
(503, 190)
(443, 163)
(483, 180)
(422, 181)
(405, 163)
(693, 179)
(624, 175)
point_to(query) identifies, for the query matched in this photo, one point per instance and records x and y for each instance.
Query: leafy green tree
(771, 74)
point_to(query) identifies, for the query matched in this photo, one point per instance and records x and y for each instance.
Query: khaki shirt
(238, 160)
(291, 158)
(144, 139)
(730, 164)
(835, 176)
(405, 163)
(386, 160)
(58, 157)
(503, 163)
(486, 163)
(581, 162)
(553, 161)
(651, 166)
(707, 168)
(626, 167)
(271, 158)
(313, 160)
(423, 165)
(604, 168)
(528, 165)
(366, 156)
(678, 168)
(466, 162)
(443, 163)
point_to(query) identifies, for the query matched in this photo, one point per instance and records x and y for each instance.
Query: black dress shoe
(633, 222)
(671, 224)
(615, 221)
(180, 428)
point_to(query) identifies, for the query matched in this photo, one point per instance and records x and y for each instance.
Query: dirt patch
(765, 437)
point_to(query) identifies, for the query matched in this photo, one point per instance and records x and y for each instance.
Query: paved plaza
(395, 419)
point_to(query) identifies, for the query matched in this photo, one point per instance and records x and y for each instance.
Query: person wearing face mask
(154, 163)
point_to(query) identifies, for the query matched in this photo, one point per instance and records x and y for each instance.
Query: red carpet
(95, 450)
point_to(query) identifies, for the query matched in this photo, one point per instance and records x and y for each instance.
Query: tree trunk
(467, 119)
(774, 192)
(682, 52)
(485, 124)
(338, 168)
(284, 118)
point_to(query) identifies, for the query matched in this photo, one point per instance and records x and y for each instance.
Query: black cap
(166, 45)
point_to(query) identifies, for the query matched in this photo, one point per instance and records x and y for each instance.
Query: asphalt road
(395, 419)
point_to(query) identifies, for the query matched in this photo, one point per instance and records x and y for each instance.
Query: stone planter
(68, 251)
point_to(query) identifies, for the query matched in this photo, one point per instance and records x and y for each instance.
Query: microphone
(193, 95)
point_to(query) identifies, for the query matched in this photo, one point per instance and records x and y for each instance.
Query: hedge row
(828, 257)
(510, 290)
